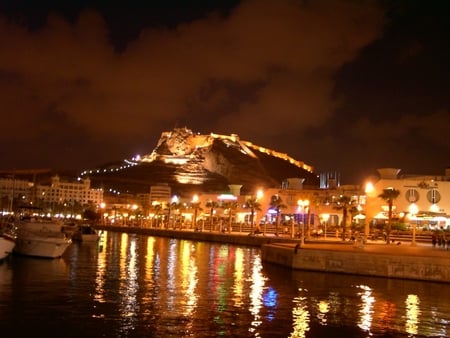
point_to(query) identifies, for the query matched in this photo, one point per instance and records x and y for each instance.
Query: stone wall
(358, 262)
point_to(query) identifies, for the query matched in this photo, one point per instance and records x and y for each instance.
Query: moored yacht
(7, 241)
(86, 233)
(41, 237)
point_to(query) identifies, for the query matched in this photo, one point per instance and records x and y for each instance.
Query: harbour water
(132, 285)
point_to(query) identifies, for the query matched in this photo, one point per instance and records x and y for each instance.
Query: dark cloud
(322, 81)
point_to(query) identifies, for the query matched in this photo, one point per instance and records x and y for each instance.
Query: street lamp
(325, 218)
(102, 207)
(195, 205)
(303, 205)
(413, 210)
(173, 203)
(259, 196)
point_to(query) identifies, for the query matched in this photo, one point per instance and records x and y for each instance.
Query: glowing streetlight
(259, 194)
(304, 205)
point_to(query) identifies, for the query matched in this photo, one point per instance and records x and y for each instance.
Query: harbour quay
(374, 258)
(401, 260)
(236, 238)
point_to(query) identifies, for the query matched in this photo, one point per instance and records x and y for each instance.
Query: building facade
(59, 192)
(424, 200)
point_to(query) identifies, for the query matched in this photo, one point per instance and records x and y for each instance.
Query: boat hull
(7, 245)
(86, 233)
(37, 245)
(86, 237)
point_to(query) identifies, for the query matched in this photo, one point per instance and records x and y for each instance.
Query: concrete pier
(393, 261)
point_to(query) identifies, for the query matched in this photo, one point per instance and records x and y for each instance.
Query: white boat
(7, 242)
(41, 237)
(86, 233)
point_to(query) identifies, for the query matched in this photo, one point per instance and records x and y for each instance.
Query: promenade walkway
(404, 248)
(324, 243)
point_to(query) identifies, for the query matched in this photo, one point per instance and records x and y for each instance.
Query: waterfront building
(58, 195)
(160, 193)
(424, 200)
(65, 191)
(12, 189)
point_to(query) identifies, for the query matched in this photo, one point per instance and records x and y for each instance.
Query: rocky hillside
(191, 162)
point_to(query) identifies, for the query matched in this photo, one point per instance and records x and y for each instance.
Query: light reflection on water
(139, 286)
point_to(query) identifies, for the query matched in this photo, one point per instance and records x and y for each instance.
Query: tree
(347, 205)
(91, 215)
(276, 204)
(157, 209)
(389, 195)
(174, 205)
(195, 204)
(252, 204)
(231, 206)
(212, 205)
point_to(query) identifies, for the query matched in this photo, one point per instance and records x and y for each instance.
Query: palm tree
(347, 205)
(157, 209)
(172, 206)
(276, 204)
(389, 195)
(196, 205)
(231, 206)
(252, 204)
(212, 205)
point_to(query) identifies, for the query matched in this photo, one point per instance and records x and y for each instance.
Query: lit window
(412, 195)
(433, 196)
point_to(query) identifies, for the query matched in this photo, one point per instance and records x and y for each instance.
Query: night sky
(347, 86)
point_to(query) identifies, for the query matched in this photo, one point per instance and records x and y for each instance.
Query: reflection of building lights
(128, 278)
(366, 309)
(189, 279)
(323, 307)
(256, 292)
(300, 316)
(149, 258)
(238, 288)
(412, 314)
(101, 273)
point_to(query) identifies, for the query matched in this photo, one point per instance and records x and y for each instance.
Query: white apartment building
(58, 192)
(423, 200)
(160, 193)
(61, 191)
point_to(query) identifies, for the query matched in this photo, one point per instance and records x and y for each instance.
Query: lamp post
(173, 203)
(413, 210)
(259, 196)
(195, 205)
(325, 218)
(303, 205)
(102, 207)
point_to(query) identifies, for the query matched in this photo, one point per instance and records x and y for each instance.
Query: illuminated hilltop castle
(210, 163)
